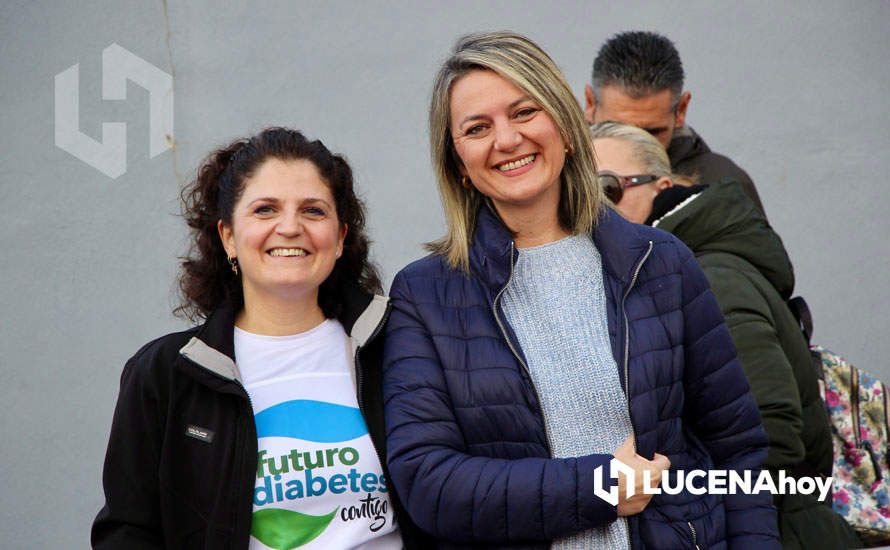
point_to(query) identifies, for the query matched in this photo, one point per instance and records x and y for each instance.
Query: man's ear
(680, 112)
(589, 103)
(227, 238)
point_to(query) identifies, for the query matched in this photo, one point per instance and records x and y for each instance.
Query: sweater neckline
(547, 247)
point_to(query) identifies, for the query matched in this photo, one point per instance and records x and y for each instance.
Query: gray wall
(794, 92)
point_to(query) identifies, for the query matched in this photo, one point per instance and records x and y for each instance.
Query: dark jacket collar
(213, 345)
(491, 251)
(619, 242)
(218, 331)
(723, 218)
(685, 144)
(669, 199)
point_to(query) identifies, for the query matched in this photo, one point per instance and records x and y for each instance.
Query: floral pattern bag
(859, 412)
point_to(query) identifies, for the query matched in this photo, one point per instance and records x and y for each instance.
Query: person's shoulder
(160, 353)
(430, 266)
(659, 237)
(730, 269)
(626, 246)
(689, 153)
(738, 286)
(724, 167)
(425, 279)
(713, 167)
(663, 242)
(615, 228)
(672, 252)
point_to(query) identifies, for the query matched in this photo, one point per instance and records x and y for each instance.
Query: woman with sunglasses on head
(546, 335)
(752, 277)
(263, 426)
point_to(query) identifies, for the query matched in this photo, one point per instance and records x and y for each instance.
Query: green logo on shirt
(284, 529)
(286, 476)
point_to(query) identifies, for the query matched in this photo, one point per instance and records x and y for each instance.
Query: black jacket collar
(213, 345)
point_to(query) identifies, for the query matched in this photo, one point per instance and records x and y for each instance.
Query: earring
(569, 150)
(465, 182)
(233, 262)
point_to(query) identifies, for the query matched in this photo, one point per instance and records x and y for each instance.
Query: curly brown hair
(206, 279)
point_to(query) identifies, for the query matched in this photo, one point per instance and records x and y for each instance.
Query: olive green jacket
(752, 277)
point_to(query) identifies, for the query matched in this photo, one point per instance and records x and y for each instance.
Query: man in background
(638, 80)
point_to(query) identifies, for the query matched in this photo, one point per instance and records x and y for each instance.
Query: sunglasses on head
(614, 185)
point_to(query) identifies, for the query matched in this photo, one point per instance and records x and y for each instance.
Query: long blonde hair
(522, 62)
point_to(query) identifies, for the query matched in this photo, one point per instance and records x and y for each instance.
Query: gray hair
(647, 150)
(523, 63)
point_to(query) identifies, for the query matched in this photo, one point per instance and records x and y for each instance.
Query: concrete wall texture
(795, 92)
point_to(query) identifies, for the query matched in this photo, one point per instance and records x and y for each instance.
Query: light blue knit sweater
(556, 304)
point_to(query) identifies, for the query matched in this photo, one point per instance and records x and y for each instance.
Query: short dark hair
(640, 63)
(206, 279)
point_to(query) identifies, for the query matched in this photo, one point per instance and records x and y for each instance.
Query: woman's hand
(638, 502)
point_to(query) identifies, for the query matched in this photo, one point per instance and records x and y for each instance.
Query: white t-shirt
(319, 482)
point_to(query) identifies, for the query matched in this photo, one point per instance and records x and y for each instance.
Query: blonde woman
(545, 335)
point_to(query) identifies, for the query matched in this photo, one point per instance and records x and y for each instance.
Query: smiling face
(507, 145)
(284, 232)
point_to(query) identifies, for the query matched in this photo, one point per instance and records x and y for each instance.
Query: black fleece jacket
(181, 460)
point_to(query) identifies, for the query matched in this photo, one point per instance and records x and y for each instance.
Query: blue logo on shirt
(309, 420)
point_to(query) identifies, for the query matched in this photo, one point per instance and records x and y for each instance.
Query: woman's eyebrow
(510, 106)
(259, 199)
(307, 200)
(312, 200)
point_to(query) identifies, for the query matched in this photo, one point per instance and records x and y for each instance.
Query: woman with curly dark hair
(262, 427)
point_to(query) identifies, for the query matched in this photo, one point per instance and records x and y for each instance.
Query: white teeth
(516, 163)
(287, 252)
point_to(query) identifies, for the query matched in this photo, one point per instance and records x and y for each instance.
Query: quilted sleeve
(450, 493)
(767, 368)
(722, 410)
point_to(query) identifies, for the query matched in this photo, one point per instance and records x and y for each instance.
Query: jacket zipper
(359, 380)
(216, 374)
(497, 318)
(633, 282)
(248, 422)
(238, 473)
(694, 536)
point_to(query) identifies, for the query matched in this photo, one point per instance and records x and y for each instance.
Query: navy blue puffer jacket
(467, 449)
